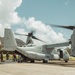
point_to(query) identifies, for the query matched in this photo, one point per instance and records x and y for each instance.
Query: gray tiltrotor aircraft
(32, 53)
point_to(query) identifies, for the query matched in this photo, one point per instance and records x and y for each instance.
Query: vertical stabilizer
(9, 40)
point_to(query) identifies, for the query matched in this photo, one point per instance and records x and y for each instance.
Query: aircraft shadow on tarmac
(59, 63)
(53, 62)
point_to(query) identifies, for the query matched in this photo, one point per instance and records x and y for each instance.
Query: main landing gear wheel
(19, 61)
(32, 61)
(45, 61)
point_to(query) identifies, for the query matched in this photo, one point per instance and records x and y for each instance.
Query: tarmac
(38, 68)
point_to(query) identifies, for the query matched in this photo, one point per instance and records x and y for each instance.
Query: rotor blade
(61, 26)
(38, 39)
(21, 34)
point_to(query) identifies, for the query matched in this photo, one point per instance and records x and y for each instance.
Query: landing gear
(66, 61)
(45, 61)
(19, 60)
(32, 61)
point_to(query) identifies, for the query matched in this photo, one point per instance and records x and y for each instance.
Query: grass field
(72, 58)
(10, 56)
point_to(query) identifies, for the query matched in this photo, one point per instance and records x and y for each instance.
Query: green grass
(72, 58)
(10, 56)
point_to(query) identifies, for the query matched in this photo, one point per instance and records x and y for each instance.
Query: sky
(60, 12)
(49, 11)
(26, 15)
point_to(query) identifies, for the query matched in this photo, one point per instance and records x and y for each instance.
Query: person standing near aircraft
(1, 56)
(7, 56)
(14, 57)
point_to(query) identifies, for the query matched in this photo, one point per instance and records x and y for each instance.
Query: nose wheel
(66, 61)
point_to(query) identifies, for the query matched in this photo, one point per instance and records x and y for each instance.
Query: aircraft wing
(57, 45)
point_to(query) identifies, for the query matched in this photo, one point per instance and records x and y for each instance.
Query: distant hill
(19, 42)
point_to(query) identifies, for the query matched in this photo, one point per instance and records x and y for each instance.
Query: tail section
(9, 40)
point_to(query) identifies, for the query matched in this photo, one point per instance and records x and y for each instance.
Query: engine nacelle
(65, 56)
(73, 43)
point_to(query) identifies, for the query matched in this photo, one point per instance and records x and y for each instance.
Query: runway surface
(37, 68)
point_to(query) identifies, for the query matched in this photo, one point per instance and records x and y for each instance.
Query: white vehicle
(32, 53)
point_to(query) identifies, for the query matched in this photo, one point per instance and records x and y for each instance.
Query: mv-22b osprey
(32, 53)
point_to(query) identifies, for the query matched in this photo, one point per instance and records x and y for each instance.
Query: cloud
(9, 17)
(42, 31)
(67, 2)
